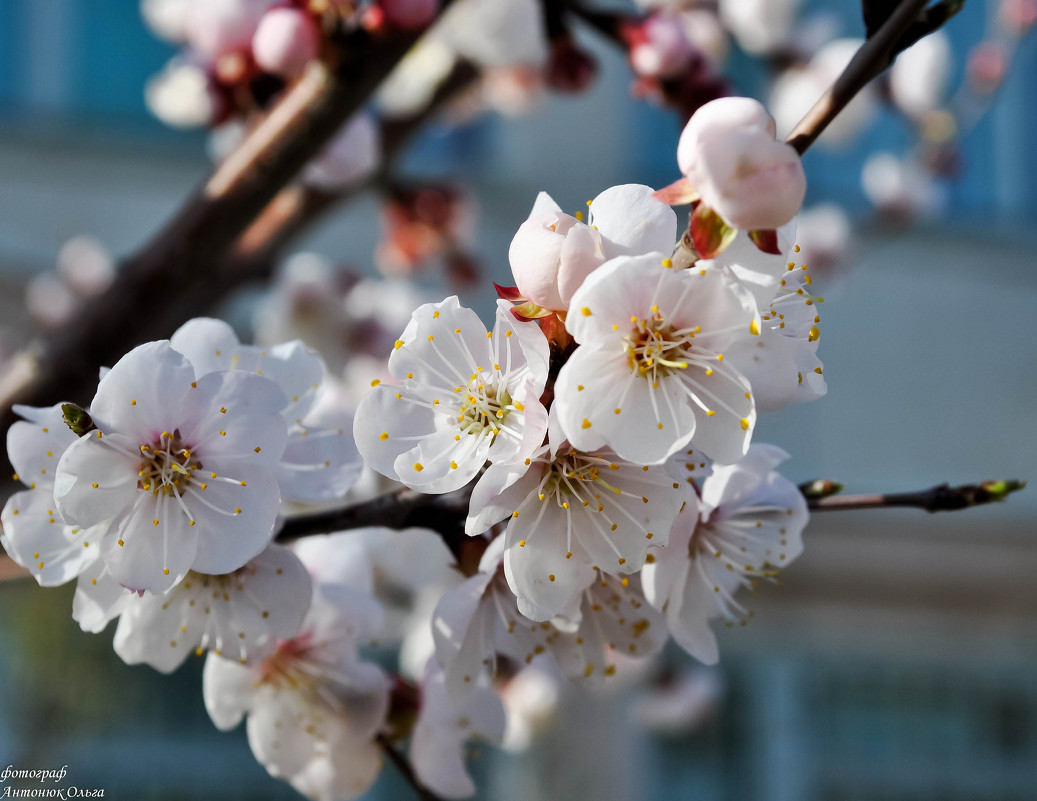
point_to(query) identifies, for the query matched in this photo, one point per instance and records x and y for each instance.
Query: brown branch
(188, 252)
(403, 765)
(874, 56)
(942, 498)
(9, 569)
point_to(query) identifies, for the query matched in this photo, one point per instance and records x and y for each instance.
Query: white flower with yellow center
(182, 467)
(466, 396)
(239, 615)
(750, 528)
(650, 375)
(571, 511)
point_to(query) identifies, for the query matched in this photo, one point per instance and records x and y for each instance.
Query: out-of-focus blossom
(662, 48)
(797, 89)
(352, 155)
(182, 95)
(731, 159)
(986, 66)
(85, 265)
(167, 18)
(446, 723)
(49, 301)
(218, 27)
(531, 700)
(824, 234)
(285, 41)
(681, 705)
(919, 77)
(759, 26)
(900, 189)
(411, 84)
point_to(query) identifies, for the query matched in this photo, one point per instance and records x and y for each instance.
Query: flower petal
(632, 222)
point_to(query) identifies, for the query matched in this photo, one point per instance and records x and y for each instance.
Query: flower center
(484, 408)
(167, 465)
(654, 348)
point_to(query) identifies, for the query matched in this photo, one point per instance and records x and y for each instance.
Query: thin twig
(403, 765)
(942, 498)
(874, 56)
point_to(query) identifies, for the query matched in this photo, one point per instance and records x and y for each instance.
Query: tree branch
(186, 254)
(942, 498)
(874, 56)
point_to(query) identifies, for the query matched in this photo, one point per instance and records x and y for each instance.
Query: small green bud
(77, 418)
(999, 490)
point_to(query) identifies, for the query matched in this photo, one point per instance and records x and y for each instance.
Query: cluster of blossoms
(602, 426)
(606, 416)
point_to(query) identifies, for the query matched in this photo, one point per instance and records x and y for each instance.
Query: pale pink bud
(409, 14)
(286, 40)
(217, 27)
(731, 159)
(665, 51)
(551, 255)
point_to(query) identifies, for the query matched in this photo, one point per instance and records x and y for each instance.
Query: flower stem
(404, 767)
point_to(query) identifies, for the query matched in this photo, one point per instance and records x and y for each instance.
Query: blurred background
(896, 660)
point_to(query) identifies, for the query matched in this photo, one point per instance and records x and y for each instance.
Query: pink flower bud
(730, 157)
(285, 42)
(409, 14)
(551, 255)
(217, 27)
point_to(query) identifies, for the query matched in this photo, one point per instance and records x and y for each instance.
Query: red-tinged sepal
(508, 293)
(553, 327)
(530, 311)
(679, 193)
(709, 232)
(766, 240)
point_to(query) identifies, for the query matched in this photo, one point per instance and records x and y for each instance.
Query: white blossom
(239, 615)
(749, 528)
(466, 396)
(182, 466)
(650, 374)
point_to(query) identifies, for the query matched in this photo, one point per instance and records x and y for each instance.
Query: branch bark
(942, 498)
